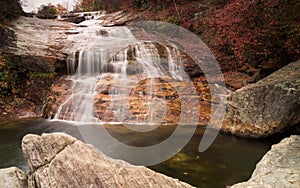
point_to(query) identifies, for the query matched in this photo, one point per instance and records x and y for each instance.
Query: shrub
(10, 9)
(173, 20)
(47, 12)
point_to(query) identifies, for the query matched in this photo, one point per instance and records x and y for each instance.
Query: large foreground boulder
(59, 160)
(269, 106)
(280, 167)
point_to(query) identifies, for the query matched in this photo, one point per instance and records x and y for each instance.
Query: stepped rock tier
(146, 82)
(115, 77)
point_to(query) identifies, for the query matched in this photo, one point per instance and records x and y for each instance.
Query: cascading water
(84, 65)
(79, 106)
(151, 65)
(111, 63)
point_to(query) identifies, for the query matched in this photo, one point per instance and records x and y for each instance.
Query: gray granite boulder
(269, 106)
(279, 168)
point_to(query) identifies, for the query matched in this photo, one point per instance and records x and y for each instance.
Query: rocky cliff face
(269, 106)
(33, 51)
(43, 39)
(280, 167)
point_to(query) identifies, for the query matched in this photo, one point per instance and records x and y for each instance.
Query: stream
(228, 160)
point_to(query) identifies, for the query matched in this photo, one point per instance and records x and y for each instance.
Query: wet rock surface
(280, 167)
(59, 160)
(125, 90)
(58, 93)
(165, 95)
(269, 106)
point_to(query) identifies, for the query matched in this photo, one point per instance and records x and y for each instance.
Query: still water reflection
(227, 161)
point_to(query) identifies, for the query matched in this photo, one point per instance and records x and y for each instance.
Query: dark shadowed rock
(59, 160)
(74, 19)
(280, 167)
(267, 107)
(13, 177)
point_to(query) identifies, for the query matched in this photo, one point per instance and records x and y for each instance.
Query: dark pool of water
(228, 160)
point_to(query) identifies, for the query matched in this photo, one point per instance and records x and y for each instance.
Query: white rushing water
(101, 51)
(85, 63)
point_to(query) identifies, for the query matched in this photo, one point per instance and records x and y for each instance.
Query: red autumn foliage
(85, 5)
(92, 5)
(261, 33)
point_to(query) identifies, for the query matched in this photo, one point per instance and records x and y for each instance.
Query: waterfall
(79, 106)
(84, 65)
(113, 66)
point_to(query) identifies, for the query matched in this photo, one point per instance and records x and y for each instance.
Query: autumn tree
(94, 5)
(47, 11)
(61, 9)
(262, 33)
